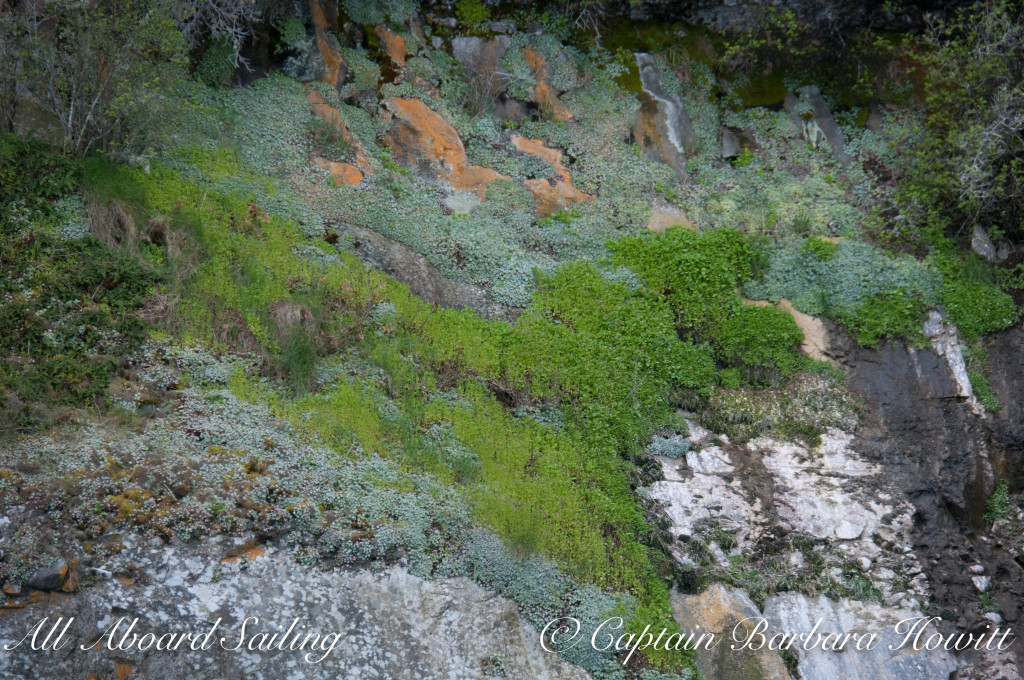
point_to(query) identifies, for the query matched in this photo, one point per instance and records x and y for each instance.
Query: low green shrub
(824, 250)
(888, 315)
(66, 323)
(32, 176)
(697, 273)
(997, 506)
(976, 356)
(761, 340)
(978, 308)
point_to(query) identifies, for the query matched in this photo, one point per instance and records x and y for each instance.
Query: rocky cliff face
(898, 502)
(308, 624)
(879, 519)
(942, 454)
(831, 15)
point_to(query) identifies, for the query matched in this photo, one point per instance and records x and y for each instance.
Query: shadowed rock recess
(465, 340)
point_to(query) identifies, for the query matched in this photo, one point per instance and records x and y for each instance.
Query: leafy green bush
(968, 164)
(978, 308)
(32, 176)
(697, 273)
(824, 250)
(217, 67)
(888, 315)
(761, 339)
(105, 71)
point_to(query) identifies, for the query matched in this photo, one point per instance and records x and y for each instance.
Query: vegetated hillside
(471, 291)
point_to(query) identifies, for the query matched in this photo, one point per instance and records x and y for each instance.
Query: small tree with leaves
(970, 168)
(101, 67)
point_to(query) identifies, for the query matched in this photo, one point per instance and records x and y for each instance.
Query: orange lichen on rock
(392, 44)
(343, 173)
(417, 134)
(547, 97)
(337, 69)
(250, 550)
(35, 597)
(553, 194)
(123, 669)
(330, 115)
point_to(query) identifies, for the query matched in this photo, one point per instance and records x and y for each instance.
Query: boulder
(793, 612)
(326, 42)
(423, 278)
(719, 611)
(874, 121)
(826, 123)
(982, 244)
(480, 59)
(391, 44)
(385, 623)
(554, 193)
(321, 109)
(664, 216)
(343, 173)
(663, 127)
(730, 144)
(422, 139)
(56, 577)
(546, 96)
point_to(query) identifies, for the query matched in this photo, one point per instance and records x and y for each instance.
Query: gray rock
(874, 121)
(663, 125)
(480, 59)
(49, 578)
(502, 27)
(946, 344)
(730, 144)
(506, 108)
(793, 613)
(423, 278)
(826, 123)
(982, 244)
(389, 624)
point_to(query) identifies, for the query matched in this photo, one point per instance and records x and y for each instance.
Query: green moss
(471, 13)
